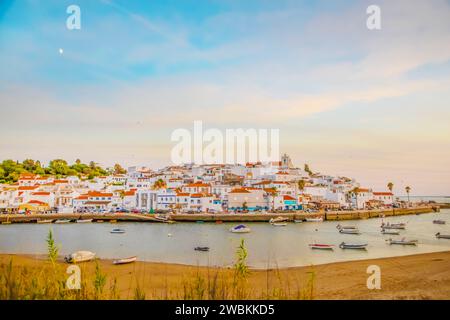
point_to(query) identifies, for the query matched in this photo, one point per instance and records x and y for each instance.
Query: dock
(34, 218)
(223, 217)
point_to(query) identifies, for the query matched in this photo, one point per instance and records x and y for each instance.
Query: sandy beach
(423, 276)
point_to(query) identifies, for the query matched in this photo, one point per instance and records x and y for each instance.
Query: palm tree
(390, 186)
(408, 189)
(301, 184)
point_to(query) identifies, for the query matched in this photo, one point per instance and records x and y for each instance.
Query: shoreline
(221, 217)
(418, 276)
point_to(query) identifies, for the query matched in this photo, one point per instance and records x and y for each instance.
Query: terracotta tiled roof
(382, 194)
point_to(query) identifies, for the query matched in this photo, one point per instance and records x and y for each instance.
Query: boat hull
(125, 261)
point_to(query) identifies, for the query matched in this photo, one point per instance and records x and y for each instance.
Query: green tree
(159, 184)
(58, 166)
(118, 169)
(29, 165)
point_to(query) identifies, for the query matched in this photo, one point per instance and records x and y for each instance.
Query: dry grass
(47, 280)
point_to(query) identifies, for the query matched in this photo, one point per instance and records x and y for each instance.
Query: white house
(387, 198)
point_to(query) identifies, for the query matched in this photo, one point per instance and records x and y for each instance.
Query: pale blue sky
(374, 105)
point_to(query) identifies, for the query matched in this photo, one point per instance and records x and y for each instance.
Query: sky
(369, 104)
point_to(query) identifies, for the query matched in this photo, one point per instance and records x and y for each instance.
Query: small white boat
(79, 256)
(321, 246)
(44, 221)
(84, 220)
(349, 231)
(438, 221)
(442, 236)
(125, 260)
(356, 246)
(61, 221)
(279, 224)
(117, 230)
(298, 221)
(240, 229)
(339, 227)
(161, 217)
(278, 219)
(314, 219)
(403, 242)
(391, 232)
(388, 225)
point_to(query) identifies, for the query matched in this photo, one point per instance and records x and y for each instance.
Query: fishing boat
(125, 260)
(201, 248)
(278, 219)
(349, 231)
(161, 217)
(117, 230)
(388, 225)
(356, 246)
(403, 241)
(442, 236)
(279, 224)
(320, 219)
(84, 220)
(321, 246)
(438, 221)
(391, 232)
(79, 256)
(240, 229)
(61, 221)
(339, 227)
(44, 221)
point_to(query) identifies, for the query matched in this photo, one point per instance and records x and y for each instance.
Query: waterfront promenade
(224, 217)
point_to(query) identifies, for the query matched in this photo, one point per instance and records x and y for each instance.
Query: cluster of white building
(192, 188)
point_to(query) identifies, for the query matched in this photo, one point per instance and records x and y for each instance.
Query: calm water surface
(268, 246)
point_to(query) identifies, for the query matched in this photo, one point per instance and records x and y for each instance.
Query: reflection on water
(268, 246)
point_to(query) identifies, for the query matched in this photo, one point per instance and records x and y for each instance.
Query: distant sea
(438, 199)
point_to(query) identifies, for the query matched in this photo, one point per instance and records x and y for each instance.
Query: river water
(267, 246)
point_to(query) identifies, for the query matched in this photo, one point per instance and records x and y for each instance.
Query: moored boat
(356, 246)
(349, 231)
(278, 219)
(84, 220)
(403, 241)
(125, 260)
(61, 221)
(117, 230)
(161, 217)
(240, 229)
(321, 246)
(391, 232)
(318, 219)
(44, 221)
(298, 221)
(279, 224)
(201, 248)
(340, 227)
(438, 221)
(442, 236)
(79, 256)
(388, 225)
